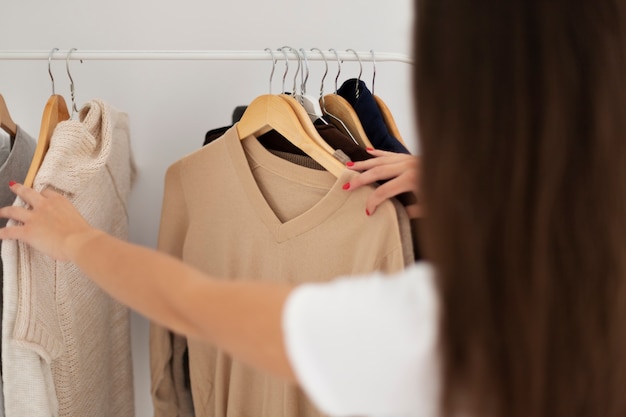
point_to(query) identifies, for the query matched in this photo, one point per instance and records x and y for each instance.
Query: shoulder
(354, 341)
(198, 164)
(413, 287)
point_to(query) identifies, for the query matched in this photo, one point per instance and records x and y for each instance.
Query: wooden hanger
(340, 108)
(304, 117)
(54, 112)
(7, 124)
(311, 106)
(389, 120)
(273, 112)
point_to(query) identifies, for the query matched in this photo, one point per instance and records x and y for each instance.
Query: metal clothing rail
(199, 55)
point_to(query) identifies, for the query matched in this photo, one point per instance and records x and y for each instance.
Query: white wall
(172, 104)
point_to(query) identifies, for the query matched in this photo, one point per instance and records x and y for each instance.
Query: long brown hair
(522, 121)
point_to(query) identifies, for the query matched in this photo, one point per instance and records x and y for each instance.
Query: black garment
(370, 116)
(271, 140)
(237, 113)
(213, 134)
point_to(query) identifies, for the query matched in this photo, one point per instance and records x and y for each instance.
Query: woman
(523, 176)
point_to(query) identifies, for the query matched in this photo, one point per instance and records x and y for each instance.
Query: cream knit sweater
(66, 344)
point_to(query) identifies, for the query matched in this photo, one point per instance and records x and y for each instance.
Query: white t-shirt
(366, 346)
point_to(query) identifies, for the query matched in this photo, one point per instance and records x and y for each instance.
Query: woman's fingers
(405, 182)
(380, 152)
(367, 164)
(400, 171)
(17, 213)
(30, 196)
(12, 233)
(50, 225)
(376, 173)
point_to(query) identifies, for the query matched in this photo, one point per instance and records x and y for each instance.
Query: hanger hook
(306, 67)
(338, 67)
(374, 69)
(286, 68)
(360, 71)
(273, 66)
(295, 76)
(325, 71)
(49, 70)
(72, 90)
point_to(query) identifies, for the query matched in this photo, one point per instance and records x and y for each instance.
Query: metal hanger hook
(273, 66)
(338, 67)
(72, 90)
(286, 68)
(306, 68)
(360, 70)
(295, 76)
(373, 69)
(325, 71)
(49, 70)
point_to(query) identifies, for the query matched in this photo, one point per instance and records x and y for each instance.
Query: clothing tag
(341, 156)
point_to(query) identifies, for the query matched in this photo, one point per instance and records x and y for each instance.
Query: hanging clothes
(370, 116)
(331, 134)
(14, 163)
(66, 343)
(266, 218)
(279, 146)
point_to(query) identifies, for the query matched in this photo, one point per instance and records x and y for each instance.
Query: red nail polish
(350, 163)
(11, 183)
(369, 149)
(346, 186)
(367, 212)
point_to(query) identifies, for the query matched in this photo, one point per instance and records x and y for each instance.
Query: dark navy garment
(370, 116)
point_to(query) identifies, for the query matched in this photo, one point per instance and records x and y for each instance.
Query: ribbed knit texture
(13, 168)
(234, 210)
(27, 380)
(79, 335)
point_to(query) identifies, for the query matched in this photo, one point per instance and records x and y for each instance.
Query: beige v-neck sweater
(66, 344)
(234, 210)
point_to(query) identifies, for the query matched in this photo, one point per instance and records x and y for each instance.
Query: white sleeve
(367, 345)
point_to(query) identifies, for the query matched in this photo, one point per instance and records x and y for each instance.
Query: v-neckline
(335, 197)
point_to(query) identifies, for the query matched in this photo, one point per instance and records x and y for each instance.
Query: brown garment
(232, 209)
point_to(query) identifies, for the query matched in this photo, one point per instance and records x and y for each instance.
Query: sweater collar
(78, 149)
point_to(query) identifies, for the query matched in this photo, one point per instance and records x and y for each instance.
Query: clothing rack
(198, 55)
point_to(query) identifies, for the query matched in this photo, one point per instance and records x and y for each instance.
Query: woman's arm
(243, 318)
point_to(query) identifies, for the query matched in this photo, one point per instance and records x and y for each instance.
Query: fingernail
(369, 149)
(350, 163)
(367, 212)
(346, 186)
(12, 183)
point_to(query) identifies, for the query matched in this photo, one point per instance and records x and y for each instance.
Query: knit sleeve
(171, 396)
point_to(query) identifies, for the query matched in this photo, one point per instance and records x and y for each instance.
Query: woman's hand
(402, 172)
(52, 225)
